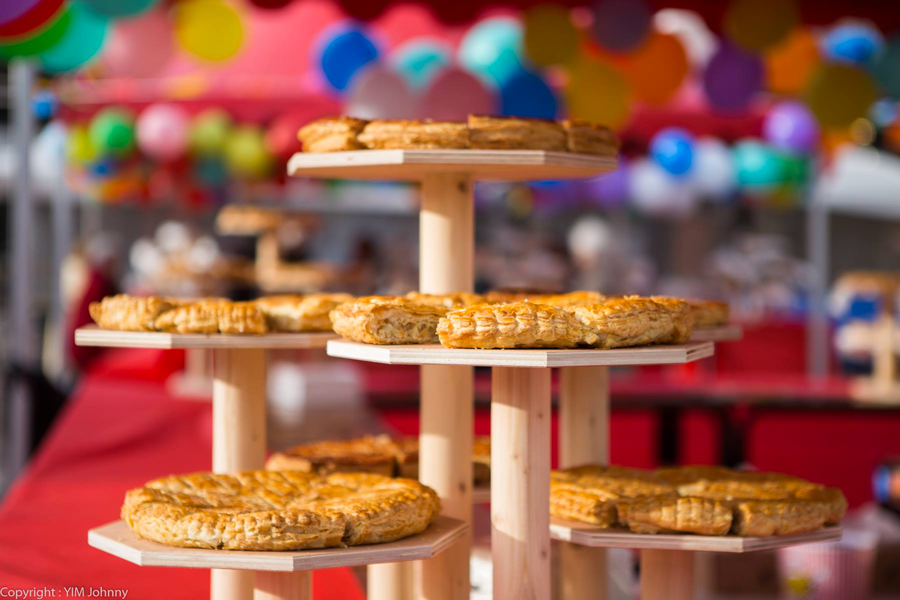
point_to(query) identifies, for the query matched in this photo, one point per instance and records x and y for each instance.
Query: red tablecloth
(115, 434)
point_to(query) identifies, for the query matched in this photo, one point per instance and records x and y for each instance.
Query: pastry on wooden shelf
(386, 134)
(300, 313)
(709, 313)
(622, 322)
(659, 514)
(129, 313)
(387, 320)
(583, 137)
(452, 301)
(278, 510)
(516, 295)
(515, 133)
(514, 325)
(682, 318)
(333, 134)
(570, 299)
(213, 316)
(382, 454)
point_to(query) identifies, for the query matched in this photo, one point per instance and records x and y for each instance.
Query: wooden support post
(667, 575)
(239, 438)
(390, 580)
(272, 585)
(520, 483)
(583, 439)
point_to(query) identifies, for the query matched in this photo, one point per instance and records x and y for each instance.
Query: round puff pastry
(580, 298)
(682, 319)
(516, 325)
(624, 322)
(129, 313)
(274, 510)
(583, 137)
(214, 316)
(333, 134)
(515, 133)
(387, 320)
(449, 301)
(414, 135)
(709, 313)
(299, 313)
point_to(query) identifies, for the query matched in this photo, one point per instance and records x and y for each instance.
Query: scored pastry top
(514, 325)
(411, 135)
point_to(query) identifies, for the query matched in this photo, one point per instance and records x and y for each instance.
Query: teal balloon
(81, 41)
(886, 68)
(758, 166)
(112, 132)
(493, 50)
(419, 61)
(117, 8)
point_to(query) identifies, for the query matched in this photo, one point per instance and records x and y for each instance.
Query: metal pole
(817, 248)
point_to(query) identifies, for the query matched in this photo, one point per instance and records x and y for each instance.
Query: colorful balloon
(81, 41)
(79, 148)
(550, 37)
(209, 132)
(379, 93)
(610, 190)
(454, 94)
(598, 93)
(790, 126)
(655, 192)
(29, 22)
(45, 104)
(854, 43)
(621, 25)
(246, 154)
(13, 9)
(526, 94)
(117, 8)
(492, 49)
(712, 172)
(112, 132)
(732, 78)
(270, 4)
(839, 94)
(125, 53)
(40, 39)
(420, 60)
(886, 68)
(673, 150)
(790, 64)
(691, 30)
(758, 24)
(656, 69)
(208, 29)
(759, 168)
(162, 131)
(344, 52)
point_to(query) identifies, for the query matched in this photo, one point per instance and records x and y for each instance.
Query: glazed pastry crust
(448, 301)
(682, 319)
(414, 135)
(709, 313)
(214, 316)
(387, 320)
(334, 134)
(515, 133)
(570, 299)
(129, 313)
(583, 137)
(300, 313)
(665, 514)
(275, 510)
(516, 325)
(625, 322)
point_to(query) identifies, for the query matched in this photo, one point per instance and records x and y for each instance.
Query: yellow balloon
(209, 29)
(79, 148)
(758, 24)
(840, 94)
(246, 153)
(598, 93)
(550, 36)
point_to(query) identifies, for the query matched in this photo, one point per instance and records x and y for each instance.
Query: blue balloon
(856, 44)
(673, 150)
(419, 61)
(344, 54)
(492, 50)
(44, 104)
(117, 8)
(526, 94)
(80, 42)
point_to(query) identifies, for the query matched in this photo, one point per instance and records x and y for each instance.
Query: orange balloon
(656, 69)
(598, 92)
(891, 135)
(790, 64)
(835, 137)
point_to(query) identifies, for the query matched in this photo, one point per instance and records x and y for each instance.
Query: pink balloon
(139, 47)
(162, 131)
(454, 94)
(379, 93)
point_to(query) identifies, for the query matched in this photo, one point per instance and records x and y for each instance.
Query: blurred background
(143, 146)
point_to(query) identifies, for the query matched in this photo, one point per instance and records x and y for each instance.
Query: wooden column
(667, 575)
(272, 585)
(520, 483)
(583, 439)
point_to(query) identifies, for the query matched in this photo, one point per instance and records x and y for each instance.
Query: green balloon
(81, 41)
(209, 132)
(758, 166)
(112, 132)
(45, 38)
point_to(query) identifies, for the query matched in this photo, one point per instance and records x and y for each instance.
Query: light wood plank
(391, 581)
(520, 483)
(435, 354)
(667, 575)
(116, 538)
(416, 165)
(91, 335)
(586, 535)
(725, 333)
(282, 586)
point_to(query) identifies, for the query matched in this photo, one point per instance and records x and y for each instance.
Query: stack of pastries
(478, 132)
(694, 499)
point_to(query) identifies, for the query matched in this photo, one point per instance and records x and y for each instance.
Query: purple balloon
(609, 190)
(732, 77)
(13, 9)
(791, 126)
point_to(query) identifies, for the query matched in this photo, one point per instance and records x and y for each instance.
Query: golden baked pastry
(213, 316)
(516, 325)
(129, 313)
(666, 514)
(709, 313)
(624, 322)
(583, 137)
(381, 454)
(298, 313)
(278, 510)
(515, 133)
(580, 298)
(235, 219)
(387, 320)
(682, 319)
(507, 295)
(333, 134)
(449, 301)
(414, 135)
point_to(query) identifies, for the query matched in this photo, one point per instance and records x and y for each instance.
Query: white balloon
(173, 237)
(379, 93)
(712, 173)
(691, 30)
(47, 157)
(590, 238)
(656, 192)
(146, 259)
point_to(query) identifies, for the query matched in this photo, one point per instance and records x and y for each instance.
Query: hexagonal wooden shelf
(92, 335)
